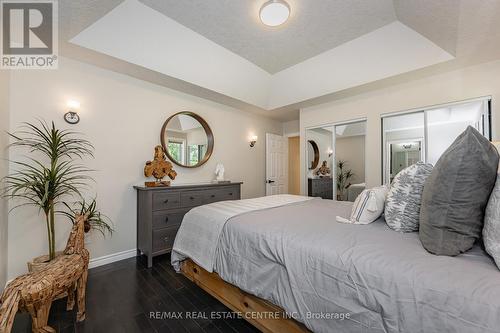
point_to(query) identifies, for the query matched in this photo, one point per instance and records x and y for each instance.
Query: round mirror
(187, 139)
(312, 154)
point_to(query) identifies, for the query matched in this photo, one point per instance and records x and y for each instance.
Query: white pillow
(367, 207)
(491, 229)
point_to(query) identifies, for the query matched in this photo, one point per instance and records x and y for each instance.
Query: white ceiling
(182, 123)
(184, 54)
(314, 26)
(219, 50)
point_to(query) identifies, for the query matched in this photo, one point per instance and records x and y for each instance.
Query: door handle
(270, 181)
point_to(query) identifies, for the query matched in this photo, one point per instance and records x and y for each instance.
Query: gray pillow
(491, 230)
(456, 193)
(402, 206)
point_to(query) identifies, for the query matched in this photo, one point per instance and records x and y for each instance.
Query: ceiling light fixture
(274, 12)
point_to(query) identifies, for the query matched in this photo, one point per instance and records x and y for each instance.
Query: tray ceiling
(221, 49)
(314, 26)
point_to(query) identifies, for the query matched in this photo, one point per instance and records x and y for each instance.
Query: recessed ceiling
(220, 50)
(313, 27)
(159, 43)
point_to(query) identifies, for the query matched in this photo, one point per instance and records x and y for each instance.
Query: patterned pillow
(491, 229)
(367, 207)
(402, 207)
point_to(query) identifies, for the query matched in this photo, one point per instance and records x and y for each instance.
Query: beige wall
(352, 150)
(291, 128)
(4, 126)
(123, 116)
(475, 81)
(294, 165)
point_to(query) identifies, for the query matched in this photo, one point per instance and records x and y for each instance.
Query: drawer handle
(166, 201)
(192, 198)
(231, 193)
(213, 195)
(166, 219)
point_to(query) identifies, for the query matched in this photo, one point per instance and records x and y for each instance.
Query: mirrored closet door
(423, 135)
(336, 160)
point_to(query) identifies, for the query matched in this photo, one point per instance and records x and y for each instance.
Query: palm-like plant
(343, 177)
(94, 219)
(45, 183)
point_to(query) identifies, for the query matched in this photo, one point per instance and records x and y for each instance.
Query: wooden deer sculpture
(34, 292)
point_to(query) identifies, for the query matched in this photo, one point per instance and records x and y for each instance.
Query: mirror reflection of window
(176, 149)
(196, 153)
(187, 140)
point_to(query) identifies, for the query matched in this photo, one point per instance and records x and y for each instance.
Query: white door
(276, 164)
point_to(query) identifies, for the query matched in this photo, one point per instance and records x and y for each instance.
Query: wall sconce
(72, 117)
(253, 140)
(329, 152)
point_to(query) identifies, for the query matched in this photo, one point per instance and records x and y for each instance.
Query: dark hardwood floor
(126, 296)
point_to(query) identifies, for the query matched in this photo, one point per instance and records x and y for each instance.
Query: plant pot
(39, 263)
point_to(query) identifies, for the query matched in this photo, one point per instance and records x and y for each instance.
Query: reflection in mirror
(404, 154)
(402, 131)
(431, 130)
(312, 154)
(187, 139)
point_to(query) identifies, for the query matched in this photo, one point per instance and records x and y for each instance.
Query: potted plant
(49, 175)
(343, 177)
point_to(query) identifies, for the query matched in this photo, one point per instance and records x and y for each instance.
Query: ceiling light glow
(274, 12)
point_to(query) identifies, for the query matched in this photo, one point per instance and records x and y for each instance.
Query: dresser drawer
(160, 212)
(163, 239)
(192, 198)
(166, 200)
(163, 219)
(229, 193)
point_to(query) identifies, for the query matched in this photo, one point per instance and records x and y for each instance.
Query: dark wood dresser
(160, 211)
(320, 187)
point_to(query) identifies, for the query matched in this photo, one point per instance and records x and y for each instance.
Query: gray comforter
(338, 277)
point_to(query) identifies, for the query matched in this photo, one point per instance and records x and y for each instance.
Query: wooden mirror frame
(208, 132)
(314, 163)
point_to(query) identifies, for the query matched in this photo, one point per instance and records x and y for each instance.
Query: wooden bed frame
(240, 301)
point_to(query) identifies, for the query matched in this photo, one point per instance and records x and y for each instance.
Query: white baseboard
(104, 260)
(110, 258)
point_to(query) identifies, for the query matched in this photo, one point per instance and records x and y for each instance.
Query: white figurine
(219, 172)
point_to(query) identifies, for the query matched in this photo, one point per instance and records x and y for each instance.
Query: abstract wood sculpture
(34, 292)
(323, 170)
(159, 167)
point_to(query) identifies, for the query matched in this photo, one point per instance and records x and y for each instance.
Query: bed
(333, 277)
